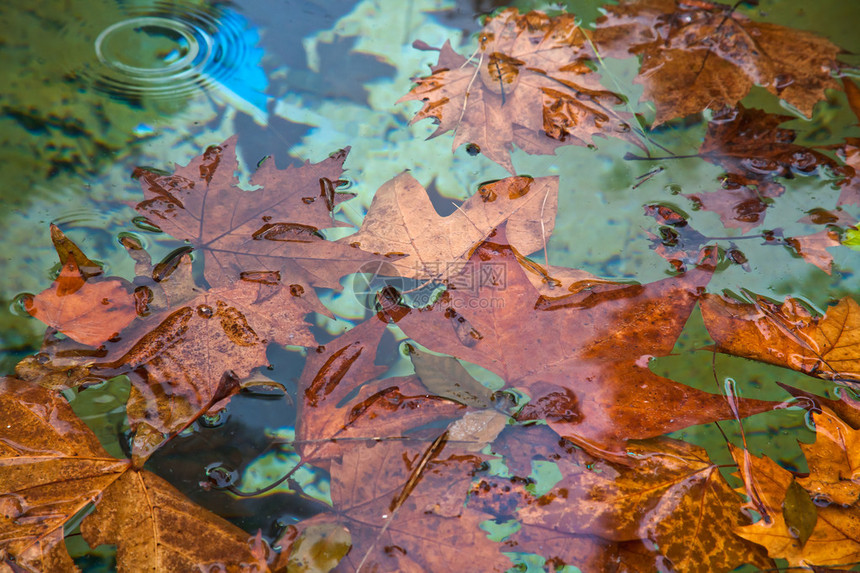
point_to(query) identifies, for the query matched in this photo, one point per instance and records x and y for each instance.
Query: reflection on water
(95, 89)
(173, 51)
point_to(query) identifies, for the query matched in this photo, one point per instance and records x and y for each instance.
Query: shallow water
(112, 86)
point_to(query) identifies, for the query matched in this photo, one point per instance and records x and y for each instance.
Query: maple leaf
(81, 304)
(698, 55)
(403, 221)
(750, 144)
(188, 354)
(753, 149)
(52, 466)
(531, 87)
(271, 230)
(833, 540)
(813, 247)
(582, 357)
(388, 496)
(833, 460)
(670, 495)
(341, 400)
(788, 335)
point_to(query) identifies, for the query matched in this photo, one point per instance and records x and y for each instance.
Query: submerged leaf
(705, 55)
(531, 86)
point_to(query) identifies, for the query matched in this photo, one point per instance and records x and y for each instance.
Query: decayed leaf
(402, 220)
(391, 531)
(835, 539)
(699, 55)
(88, 311)
(670, 495)
(583, 358)
(788, 335)
(271, 230)
(753, 149)
(528, 84)
(52, 467)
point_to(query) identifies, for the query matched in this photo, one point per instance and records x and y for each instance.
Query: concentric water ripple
(173, 51)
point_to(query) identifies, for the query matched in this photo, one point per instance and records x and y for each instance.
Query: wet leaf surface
(402, 220)
(590, 382)
(529, 84)
(273, 229)
(833, 540)
(788, 335)
(704, 55)
(52, 467)
(88, 311)
(669, 494)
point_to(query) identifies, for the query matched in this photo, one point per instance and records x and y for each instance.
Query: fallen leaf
(345, 399)
(739, 206)
(88, 311)
(52, 467)
(813, 248)
(670, 495)
(402, 220)
(834, 541)
(833, 460)
(750, 144)
(704, 55)
(156, 528)
(274, 229)
(788, 335)
(583, 358)
(531, 87)
(391, 532)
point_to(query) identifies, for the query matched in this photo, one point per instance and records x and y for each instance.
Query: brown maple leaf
(531, 86)
(273, 230)
(833, 539)
(749, 144)
(189, 353)
(343, 398)
(739, 206)
(813, 247)
(670, 495)
(404, 506)
(753, 149)
(89, 312)
(583, 358)
(833, 460)
(788, 334)
(52, 467)
(402, 220)
(700, 55)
